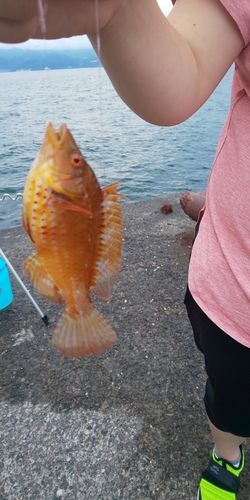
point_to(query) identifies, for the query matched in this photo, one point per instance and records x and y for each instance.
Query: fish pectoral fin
(58, 201)
(110, 251)
(43, 283)
(83, 335)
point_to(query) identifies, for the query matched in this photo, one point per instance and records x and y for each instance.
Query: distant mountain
(19, 59)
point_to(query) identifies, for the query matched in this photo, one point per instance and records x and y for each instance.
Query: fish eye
(76, 160)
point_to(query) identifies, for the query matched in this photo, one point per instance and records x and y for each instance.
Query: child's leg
(227, 404)
(227, 445)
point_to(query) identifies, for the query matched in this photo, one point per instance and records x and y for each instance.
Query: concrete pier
(127, 424)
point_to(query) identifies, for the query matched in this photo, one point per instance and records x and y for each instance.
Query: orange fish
(76, 229)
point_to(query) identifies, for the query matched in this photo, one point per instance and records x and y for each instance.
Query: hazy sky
(76, 42)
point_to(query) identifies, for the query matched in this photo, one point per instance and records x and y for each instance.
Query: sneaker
(220, 481)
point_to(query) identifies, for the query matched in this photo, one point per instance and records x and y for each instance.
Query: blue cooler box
(6, 295)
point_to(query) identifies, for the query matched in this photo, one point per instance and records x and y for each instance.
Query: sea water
(150, 161)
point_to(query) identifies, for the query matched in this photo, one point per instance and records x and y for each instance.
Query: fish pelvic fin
(43, 283)
(83, 335)
(110, 251)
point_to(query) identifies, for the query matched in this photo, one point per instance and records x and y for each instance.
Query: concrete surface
(127, 424)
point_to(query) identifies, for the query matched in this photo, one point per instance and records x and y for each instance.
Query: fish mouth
(55, 168)
(56, 139)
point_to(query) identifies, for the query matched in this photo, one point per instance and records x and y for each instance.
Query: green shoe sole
(220, 481)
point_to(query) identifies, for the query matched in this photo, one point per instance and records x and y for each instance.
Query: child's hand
(19, 19)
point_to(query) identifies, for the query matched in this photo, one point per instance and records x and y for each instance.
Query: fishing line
(103, 163)
(41, 17)
(98, 51)
(46, 75)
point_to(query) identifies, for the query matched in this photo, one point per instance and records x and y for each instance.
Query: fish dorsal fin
(110, 252)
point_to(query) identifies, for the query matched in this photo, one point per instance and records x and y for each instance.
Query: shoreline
(124, 424)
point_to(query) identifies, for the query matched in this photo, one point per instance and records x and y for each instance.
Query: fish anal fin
(110, 251)
(83, 335)
(43, 283)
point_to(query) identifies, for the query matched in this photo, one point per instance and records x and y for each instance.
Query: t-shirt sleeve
(239, 10)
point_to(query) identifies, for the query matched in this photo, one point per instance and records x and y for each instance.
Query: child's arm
(166, 69)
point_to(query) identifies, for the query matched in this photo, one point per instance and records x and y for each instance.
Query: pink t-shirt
(219, 272)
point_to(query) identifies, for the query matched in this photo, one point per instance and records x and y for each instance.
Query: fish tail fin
(83, 335)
